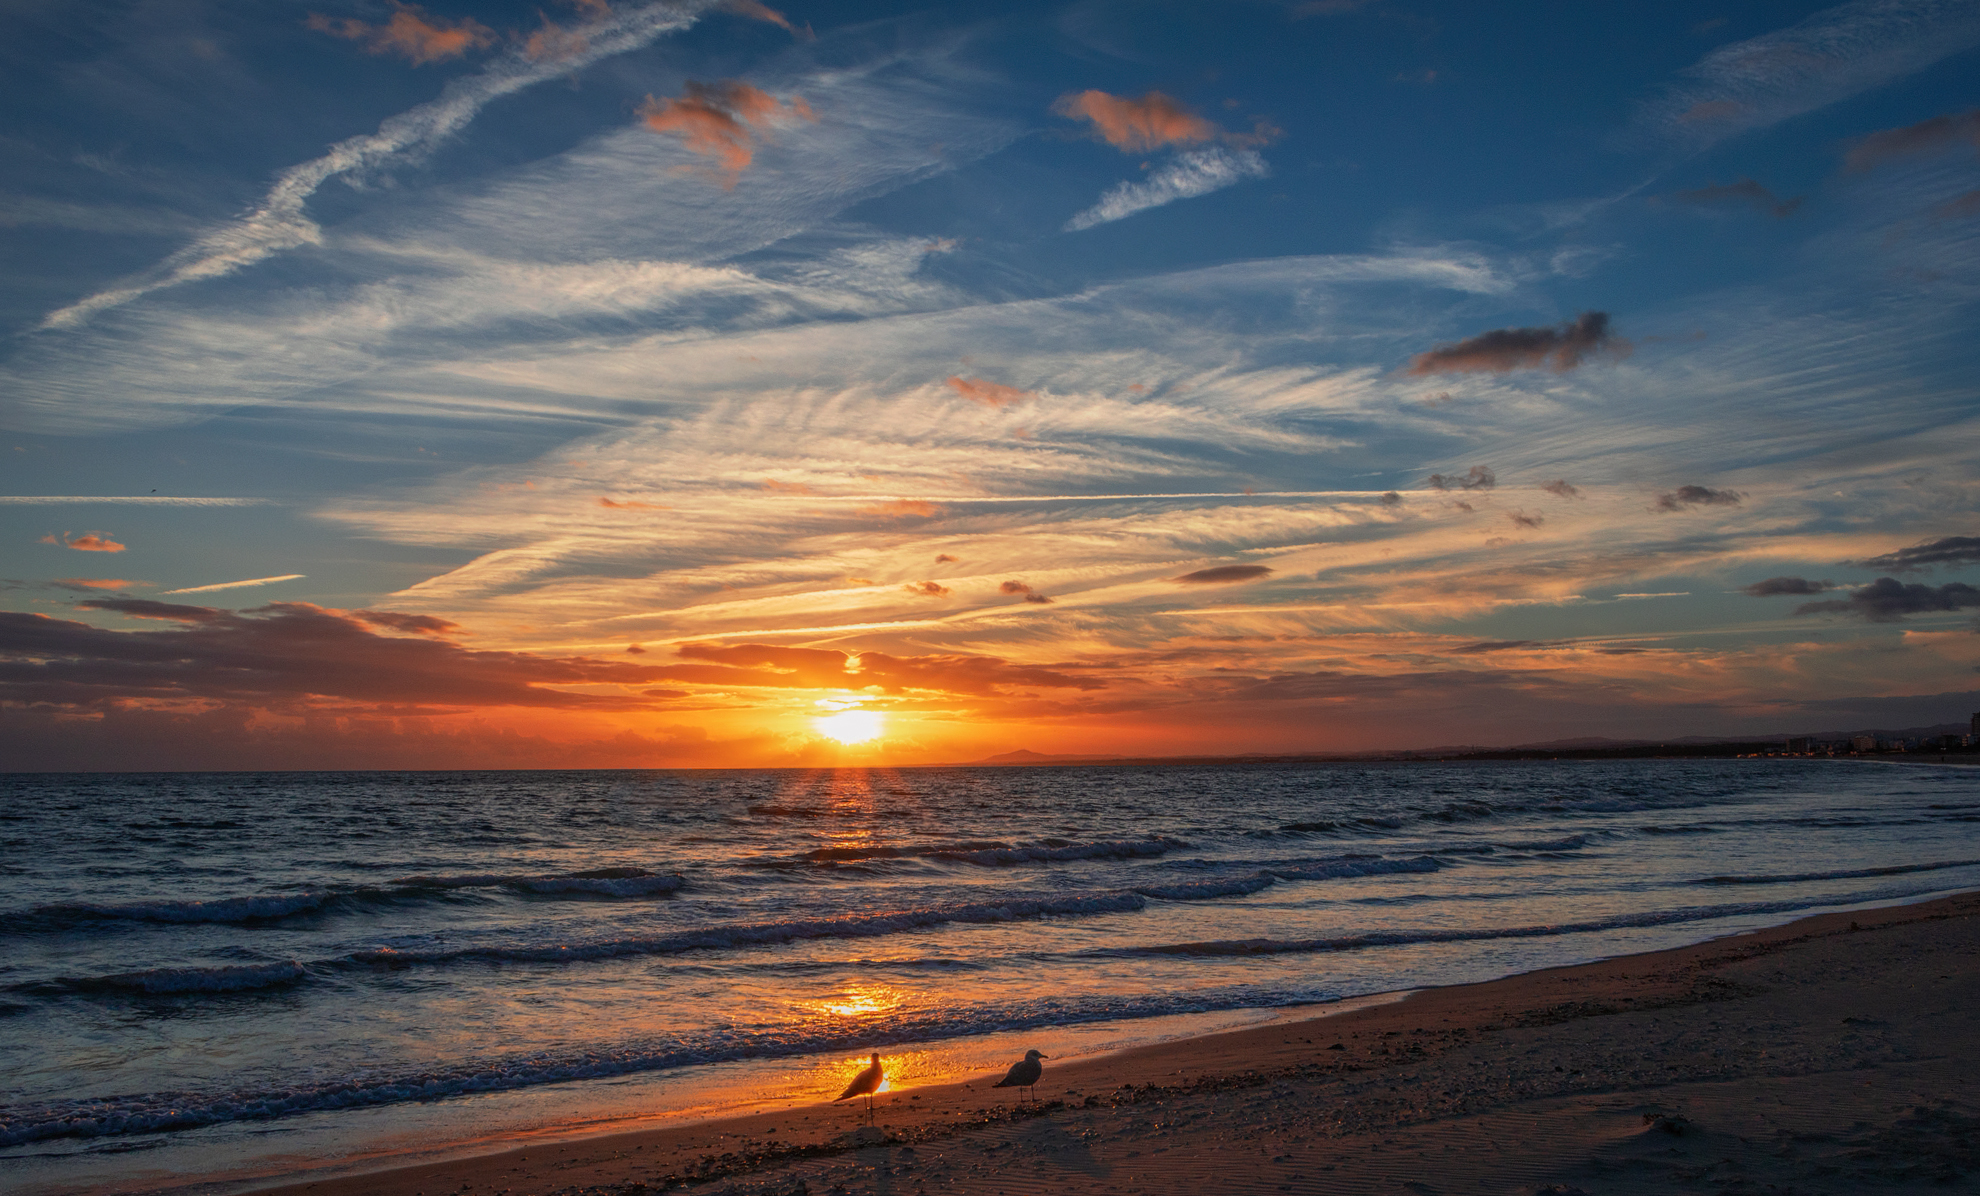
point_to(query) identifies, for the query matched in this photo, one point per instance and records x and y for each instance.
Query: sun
(851, 726)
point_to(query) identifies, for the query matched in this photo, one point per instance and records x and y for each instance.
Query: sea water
(201, 972)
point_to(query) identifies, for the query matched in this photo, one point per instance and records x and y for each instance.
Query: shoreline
(1491, 1028)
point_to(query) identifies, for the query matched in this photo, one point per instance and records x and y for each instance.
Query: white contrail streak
(235, 585)
(279, 222)
(155, 500)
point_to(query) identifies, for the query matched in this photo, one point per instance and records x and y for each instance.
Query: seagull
(1024, 1073)
(865, 1084)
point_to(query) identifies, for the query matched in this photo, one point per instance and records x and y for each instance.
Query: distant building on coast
(1800, 745)
(1863, 743)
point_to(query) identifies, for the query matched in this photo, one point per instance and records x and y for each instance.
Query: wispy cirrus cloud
(1157, 121)
(280, 221)
(1186, 176)
(1832, 55)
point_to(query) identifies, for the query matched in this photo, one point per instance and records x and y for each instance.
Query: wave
(609, 882)
(1680, 830)
(606, 882)
(95, 1117)
(1848, 874)
(875, 925)
(169, 981)
(224, 909)
(996, 854)
(756, 934)
(1404, 938)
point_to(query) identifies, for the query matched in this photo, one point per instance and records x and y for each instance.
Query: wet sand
(1834, 1054)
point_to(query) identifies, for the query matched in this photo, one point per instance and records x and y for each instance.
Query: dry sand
(1835, 1054)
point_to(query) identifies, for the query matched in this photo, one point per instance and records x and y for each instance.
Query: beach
(1828, 1054)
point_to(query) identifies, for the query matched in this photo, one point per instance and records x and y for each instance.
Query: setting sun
(850, 726)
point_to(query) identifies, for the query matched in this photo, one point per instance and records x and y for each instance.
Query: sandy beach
(1826, 1055)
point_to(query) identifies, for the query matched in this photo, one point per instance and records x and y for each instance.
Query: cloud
(631, 504)
(1478, 477)
(1134, 126)
(721, 121)
(94, 583)
(1948, 550)
(1502, 349)
(1744, 193)
(1959, 206)
(1487, 646)
(1887, 600)
(1391, 499)
(757, 11)
(1561, 488)
(771, 666)
(1522, 519)
(411, 34)
(1785, 585)
(280, 221)
(1697, 496)
(990, 394)
(944, 558)
(1224, 575)
(410, 624)
(1836, 53)
(1925, 137)
(927, 589)
(1018, 587)
(1190, 174)
(902, 508)
(235, 585)
(88, 542)
(287, 655)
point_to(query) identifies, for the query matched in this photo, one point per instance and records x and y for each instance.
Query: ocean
(258, 972)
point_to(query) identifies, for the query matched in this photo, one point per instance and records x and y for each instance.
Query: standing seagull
(1023, 1074)
(867, 1082)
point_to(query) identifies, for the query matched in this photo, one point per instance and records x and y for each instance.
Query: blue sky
(1347, 375)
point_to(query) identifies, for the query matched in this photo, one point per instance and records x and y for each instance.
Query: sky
(615, 384)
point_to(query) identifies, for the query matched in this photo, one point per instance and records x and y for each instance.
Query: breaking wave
(267, 907)
(172, 981)
(96, 1117)
(1848, 874)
